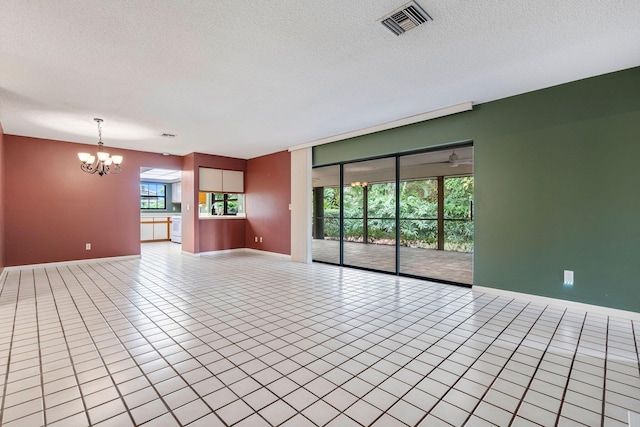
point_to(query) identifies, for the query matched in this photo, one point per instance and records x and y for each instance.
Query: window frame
(148, 197)
(225, 201)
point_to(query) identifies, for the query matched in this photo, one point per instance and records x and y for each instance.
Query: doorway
(160, 205)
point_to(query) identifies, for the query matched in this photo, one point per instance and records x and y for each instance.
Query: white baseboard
(64, 263)
(221, 251)
(226, 251)
(274, 254)
(598, 309)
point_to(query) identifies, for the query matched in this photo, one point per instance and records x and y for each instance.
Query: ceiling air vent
(407, 17)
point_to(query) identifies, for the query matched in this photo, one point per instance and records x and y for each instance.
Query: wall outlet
(568, 277)
(260, 239)
(256, 239)
(87, 247)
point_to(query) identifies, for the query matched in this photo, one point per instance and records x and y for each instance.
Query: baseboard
(221, 251)
(274, 254)
(591, 308)
(74, 262)
(226, 251)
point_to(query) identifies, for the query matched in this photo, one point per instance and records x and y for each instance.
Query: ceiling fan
(455, 161)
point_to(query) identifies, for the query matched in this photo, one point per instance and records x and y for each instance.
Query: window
(153, 195)
(225, 204)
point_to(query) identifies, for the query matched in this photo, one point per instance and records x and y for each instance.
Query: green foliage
(418, 213)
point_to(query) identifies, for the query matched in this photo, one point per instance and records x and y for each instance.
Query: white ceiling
(243, 78)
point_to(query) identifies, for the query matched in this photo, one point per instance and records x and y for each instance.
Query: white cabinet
(146, 231)
(232, 181)
(210, 180)
(176, 192)
(160, 231)
(154, 228)
(221, 181)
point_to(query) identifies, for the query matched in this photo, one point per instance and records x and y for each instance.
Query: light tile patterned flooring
(245, 339)
(445, 265)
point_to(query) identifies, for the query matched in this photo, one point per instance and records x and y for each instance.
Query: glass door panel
(325, 244)
(435, 203)
(458, 227)
(370, 214)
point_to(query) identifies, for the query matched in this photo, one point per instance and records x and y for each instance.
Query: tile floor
(245, 339)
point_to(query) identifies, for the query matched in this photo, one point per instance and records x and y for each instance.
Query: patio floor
(429, 263)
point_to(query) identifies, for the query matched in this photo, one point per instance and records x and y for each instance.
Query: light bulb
(117, 159)
(102, 156)
(84, 157)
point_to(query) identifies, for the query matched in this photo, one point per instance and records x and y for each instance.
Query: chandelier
(104, 164)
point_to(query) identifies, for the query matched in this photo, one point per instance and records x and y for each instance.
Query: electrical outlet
(256, 239)
(568, 277)
(260, 239)
(87, 246)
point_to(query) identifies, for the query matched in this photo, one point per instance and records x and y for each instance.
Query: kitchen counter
(205, 216)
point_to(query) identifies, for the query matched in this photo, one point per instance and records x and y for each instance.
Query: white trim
(74, 262)
(429, 115)
(300, 204)
(273, 254)
(221, 251)
(597, 309)
(227, 251)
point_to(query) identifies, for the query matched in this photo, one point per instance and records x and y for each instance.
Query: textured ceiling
(244, 78)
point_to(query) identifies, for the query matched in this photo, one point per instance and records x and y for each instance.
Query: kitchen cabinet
(210, 180)
(146, 231)
(155, 228)
(221, 181)
(232, 181)
(176, 192)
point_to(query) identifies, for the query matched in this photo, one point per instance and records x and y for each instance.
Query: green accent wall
(557, 186)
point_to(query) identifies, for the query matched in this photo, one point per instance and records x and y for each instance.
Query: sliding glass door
(369, 226)
(413, 219)
(326, 199)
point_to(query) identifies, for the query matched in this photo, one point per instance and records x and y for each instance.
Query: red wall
(219, 234)
(209, 235)
(2, 203)
(268, 194)
(51, 208)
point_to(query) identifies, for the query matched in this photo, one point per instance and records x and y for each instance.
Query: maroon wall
(218, 234)
(2, 202)
(51, 208)
(209, 235)
(268, 195)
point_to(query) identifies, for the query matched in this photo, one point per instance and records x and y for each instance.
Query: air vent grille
(408, 17)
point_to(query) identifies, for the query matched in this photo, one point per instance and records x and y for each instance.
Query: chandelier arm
(87, 168)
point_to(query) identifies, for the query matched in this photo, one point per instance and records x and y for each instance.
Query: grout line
(13, 331)
(573, 359)
(604, 375)
(37, 320)
(319, 343)
(162, 398)
(93, 342)
(515, 411)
